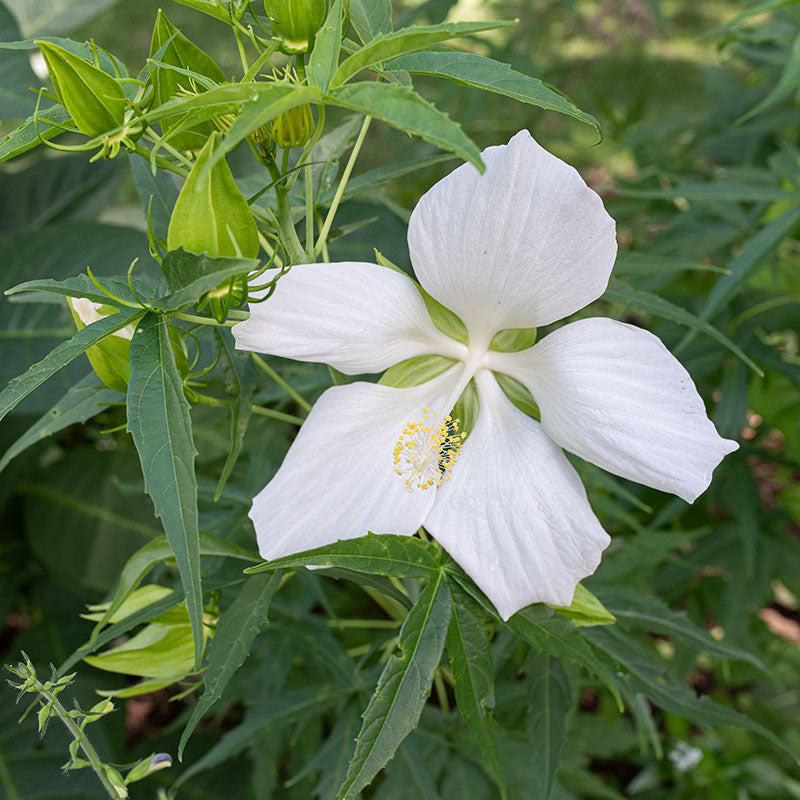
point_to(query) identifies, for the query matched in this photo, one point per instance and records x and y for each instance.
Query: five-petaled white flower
(522, 245)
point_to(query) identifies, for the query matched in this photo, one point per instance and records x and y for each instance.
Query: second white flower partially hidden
(523, 245)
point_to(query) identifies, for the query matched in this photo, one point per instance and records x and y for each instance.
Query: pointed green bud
(212, 215)
(95, 101)
(297, 21)
(109, 357)
(293, 128)
(185, 54)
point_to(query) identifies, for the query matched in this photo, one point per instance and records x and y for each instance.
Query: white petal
(523, 245)
(337, 480)
(354, 316)
(613, 394)
(515, 514)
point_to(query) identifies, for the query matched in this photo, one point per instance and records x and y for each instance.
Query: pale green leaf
(328, 42)
(585, 609)
(371, 18)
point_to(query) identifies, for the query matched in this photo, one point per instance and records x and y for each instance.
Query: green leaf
(389, 45)
(371, 18)
(550, 701)
(47, 17)
(395, 556)
(650, 678)
(236, 631)
(787, 83)
(644, 612)
(328, 42)
(402, 108)
(484, 73)
(395, 707)
(553, 635)
(619, 292)
(240, 381)
(189, 276)
(25, 137)
(20, 387)
(211, 7)
(473, 674)
(416, 370)
(84, 286)
(632, 263)
(145, 558)
(16, 102)
(586, 609)
(159, 421)
(82, 402)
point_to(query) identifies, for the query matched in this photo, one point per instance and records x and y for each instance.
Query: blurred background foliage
(699, 164)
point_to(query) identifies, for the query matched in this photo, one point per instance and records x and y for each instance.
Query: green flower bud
(183, 53)
(211, 214)
(109, 357)
(293, 128)
(229, 294)
(297, 21)
(95, 101)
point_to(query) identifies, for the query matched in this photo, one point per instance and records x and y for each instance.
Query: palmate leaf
(82, 402)
(159, 421)
(402, 108)
(389, 45)
(550, 701)
(395, 707)
(394, 556)
(473, 674)
(20, 387)
(236, 631)
(479, 72)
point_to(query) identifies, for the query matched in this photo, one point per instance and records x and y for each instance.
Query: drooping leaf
(787, 83)
(395, 707)
(389, 45)
(29, 135)
(236, 631)
(83, 401)
(20, 387)
(479, 72)
(395, 556)
(550, 701)
(159, 421)
(473, 674)
(402, 108)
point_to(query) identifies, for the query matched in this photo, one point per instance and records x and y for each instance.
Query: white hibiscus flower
(523, 245)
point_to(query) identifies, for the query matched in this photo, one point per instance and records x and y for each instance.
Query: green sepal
(178, 51)
(211, 214)
(109, 357)
(518, 394)
(585, 609)
(466, 408)
(297, 22)
(443, 318)
(416, 370)
(95, 101)
(294, 127)
(512, 340)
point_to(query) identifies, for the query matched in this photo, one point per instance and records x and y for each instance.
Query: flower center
(427, 450)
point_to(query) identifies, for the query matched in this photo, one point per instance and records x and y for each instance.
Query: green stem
(293, 393)
(160, 162)
(309, 211)
(204, 320)
(441, 693)
(91, 754)
(174, 152)
(284, 214)
(269, 412)
(326, 227)
(240, 45)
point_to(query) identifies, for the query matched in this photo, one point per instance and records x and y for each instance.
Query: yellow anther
(426, 454)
